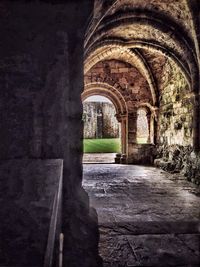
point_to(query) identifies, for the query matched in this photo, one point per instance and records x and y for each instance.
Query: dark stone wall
(29, 189)
(141, 154)
(41, 80)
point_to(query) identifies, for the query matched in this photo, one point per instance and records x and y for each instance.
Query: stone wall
(30, 215)
(99, 120)
(41, 80)
(123, 76)
(175, 126)
(141, 154)
(175, 114)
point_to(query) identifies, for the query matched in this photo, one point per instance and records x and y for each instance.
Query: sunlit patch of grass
(110, 145)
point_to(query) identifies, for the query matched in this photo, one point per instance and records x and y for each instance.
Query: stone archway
(119, 103)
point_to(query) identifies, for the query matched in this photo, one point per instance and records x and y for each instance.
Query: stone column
(149, 121)
(132, 127)
(196, 124)
(132, 135)
(122, 119)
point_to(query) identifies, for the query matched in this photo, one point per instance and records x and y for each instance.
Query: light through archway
(102, 131)
(142, 127)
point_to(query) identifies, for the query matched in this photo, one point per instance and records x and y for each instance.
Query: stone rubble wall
(175, 114)
(175, 134)
(99, 120)
(181, 159)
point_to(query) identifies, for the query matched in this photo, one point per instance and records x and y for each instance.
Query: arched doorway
(115, 97)
(102, 130)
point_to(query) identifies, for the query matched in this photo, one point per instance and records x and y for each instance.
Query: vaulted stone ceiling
(149, 35)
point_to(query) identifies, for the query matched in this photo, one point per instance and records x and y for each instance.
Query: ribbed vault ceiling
(146, 34)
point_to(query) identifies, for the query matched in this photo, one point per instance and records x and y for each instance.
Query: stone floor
(99, 157)
(146, 216)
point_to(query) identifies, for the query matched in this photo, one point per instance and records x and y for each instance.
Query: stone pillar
(152, 128)
(149, 121)
(132, 134)
(41, 108)
(122, 119)
(124, 134)
(132, 127)
(155, 126)
(196, 124)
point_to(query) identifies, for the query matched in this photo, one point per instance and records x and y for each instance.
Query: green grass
(111, 145)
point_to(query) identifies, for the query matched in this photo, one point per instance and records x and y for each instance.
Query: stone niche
(99, 120)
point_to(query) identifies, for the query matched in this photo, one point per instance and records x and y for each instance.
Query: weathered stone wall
(99, 120)
(175, 126)
(141, 154)
(176, 108)
(41, 66)
(126, 78)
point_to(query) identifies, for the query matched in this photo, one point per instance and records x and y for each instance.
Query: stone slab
(147, 217)
(28, 189)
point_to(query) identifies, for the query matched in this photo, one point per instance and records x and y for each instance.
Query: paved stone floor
(146, 216)
(99, 157)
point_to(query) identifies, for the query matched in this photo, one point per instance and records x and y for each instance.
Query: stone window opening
(143, 126)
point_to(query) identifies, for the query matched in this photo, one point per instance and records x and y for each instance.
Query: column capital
(120, 116)
(133, 114)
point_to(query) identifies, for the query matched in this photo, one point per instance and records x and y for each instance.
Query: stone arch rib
(108, 91)
(149, 45)
(125, 54)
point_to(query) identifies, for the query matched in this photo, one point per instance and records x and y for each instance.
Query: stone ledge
(28, 189)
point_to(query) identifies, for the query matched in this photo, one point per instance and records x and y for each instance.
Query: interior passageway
(147, 217)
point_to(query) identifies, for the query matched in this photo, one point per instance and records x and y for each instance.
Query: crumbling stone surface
(192, 168)
(175, 129)
(175, 114)
(183, 159)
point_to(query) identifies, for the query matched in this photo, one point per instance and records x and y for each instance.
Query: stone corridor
(147, 217)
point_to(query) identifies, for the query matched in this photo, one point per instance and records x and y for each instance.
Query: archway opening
(102, 131)
(142, 127)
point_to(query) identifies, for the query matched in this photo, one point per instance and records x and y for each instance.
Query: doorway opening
(102, 131)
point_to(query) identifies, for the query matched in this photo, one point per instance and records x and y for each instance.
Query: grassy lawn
(111, 145)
